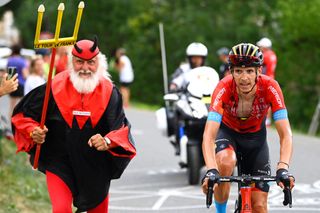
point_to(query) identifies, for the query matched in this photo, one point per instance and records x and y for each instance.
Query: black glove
(213, 175)
(283, 176)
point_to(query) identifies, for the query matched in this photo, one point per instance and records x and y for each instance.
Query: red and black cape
(72, 118)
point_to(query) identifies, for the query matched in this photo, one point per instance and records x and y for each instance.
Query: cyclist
(235, 122)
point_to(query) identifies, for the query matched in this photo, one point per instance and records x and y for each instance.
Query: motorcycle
(185, 115)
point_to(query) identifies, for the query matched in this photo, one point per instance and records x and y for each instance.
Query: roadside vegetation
(22, 190)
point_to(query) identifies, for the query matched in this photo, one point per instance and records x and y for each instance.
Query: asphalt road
(154, 182)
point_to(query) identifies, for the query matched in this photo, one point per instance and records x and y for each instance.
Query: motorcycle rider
(196, 53)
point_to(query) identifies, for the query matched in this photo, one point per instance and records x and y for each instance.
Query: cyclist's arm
(208, 144)
(280, 117)
(285, 135)
(212, 126)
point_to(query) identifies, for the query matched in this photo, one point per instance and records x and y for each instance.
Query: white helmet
(264, 42)
(197, 49)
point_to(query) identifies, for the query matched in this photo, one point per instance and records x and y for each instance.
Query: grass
(22, 190)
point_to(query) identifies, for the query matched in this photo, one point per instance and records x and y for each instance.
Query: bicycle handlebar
(248, 180)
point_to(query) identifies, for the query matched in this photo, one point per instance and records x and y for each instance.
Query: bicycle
(243, 204)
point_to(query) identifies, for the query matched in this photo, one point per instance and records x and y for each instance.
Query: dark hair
(16, 48)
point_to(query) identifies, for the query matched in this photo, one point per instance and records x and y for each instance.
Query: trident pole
(53, 44)
(163, 59)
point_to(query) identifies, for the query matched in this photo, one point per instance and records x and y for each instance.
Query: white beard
(84, 85)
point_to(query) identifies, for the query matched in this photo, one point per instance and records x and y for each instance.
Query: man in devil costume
(86, 140)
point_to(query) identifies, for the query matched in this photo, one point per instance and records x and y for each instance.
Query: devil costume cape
(72, 118)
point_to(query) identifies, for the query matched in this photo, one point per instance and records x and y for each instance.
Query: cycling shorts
(251, 148)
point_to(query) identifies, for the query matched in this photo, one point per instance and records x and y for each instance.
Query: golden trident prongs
(53, 43)
(56, 41)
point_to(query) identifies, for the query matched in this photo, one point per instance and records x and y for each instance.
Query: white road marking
(166, 171)
(160, 201)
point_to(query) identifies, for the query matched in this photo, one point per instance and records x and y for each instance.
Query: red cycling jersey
(225, 102)
(269, 63)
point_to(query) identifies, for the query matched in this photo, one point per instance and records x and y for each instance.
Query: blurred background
(133, 24)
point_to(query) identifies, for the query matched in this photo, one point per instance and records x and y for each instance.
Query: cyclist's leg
(259, 201)
(256, 162)
(259, 196)
(226, 161)
(60, 194)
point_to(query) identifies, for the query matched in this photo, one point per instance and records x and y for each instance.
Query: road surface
(154, 182)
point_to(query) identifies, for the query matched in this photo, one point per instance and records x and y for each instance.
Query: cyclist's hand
(285, 179)
(214, 175)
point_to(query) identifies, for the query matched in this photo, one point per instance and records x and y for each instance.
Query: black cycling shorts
(251, 147)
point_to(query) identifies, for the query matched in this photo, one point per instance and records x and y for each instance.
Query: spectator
(270, 58)
(35, 77)
(46, 56)
(224, 70)
(8, 85)
(269, 65)
(126, 74)
(21, 64)
(61, 59)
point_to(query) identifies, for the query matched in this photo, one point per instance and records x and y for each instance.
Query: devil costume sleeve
(72, 118)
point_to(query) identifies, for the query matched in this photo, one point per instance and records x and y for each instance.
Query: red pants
(61, 196)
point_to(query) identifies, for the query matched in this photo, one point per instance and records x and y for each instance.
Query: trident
(53, 43)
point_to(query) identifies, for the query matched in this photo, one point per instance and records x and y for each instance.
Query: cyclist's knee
(226, 161)
(259, 203)
(259, 208)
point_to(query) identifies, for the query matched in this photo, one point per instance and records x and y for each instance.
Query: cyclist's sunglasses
(245, 60)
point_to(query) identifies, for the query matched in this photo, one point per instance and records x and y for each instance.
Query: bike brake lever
(287, 197)
(209, 193)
